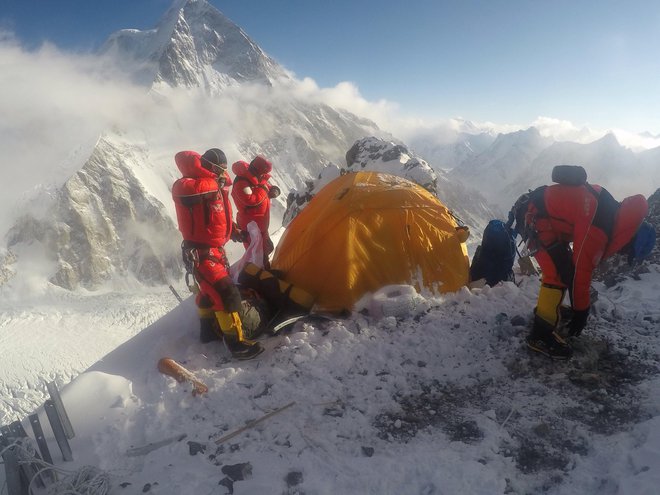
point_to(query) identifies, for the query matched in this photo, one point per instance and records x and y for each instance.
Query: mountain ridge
(193, 45)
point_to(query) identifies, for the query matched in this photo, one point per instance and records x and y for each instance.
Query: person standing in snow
(549, 219)
(252, 194)
(204, 215)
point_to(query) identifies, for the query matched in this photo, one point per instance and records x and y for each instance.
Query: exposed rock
(103, 223)
(6, 272)
(375, 154)
(238, 472)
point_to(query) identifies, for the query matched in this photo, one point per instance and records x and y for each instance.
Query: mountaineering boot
(566, 315)
(208, 326)
(545, 340)
(549, 304)
(232, 332)
(244, 349)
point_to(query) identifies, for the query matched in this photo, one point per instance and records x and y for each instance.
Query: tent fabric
(366, 230)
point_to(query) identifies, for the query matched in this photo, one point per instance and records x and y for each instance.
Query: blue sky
(593, 62)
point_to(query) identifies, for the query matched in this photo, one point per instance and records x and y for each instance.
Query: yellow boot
(549, 303)
(544, 338)
(232, 331)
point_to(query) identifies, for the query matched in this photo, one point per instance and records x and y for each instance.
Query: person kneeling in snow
(204, 215)
(549, 219)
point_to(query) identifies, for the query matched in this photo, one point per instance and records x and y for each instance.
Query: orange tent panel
(366, 230)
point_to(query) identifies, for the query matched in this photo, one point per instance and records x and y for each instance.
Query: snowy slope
(420, 396)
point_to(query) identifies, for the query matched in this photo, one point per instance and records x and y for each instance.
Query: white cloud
(391, 117)
(344, 95)
(52, 103)
(564, 130)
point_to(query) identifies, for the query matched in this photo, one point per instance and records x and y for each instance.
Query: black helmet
(214, 160)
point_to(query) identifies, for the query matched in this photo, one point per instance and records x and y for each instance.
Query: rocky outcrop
(102, 223)
(385, 156)
(376, 154)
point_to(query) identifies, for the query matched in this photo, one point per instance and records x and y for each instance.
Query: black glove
(238, 235)
(269, 247)
(578, 322)
(274, 192)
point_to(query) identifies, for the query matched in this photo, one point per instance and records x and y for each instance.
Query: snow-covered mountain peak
(193, 45)
(530, 137)
(507, 157)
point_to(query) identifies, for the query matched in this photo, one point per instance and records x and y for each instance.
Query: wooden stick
(170, 367)
(252, 424)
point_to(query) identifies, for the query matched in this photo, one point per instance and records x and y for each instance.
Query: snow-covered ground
(56, 337)
(434, 396)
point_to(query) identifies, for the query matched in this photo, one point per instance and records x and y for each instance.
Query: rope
(87, 480)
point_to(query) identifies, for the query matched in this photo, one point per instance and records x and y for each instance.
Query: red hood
(260, 165)
(190, 165)
(240, 168)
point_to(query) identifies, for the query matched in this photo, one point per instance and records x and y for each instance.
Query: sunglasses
(218, 169)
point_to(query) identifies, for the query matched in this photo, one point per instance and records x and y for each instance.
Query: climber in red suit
(252, 194)
(598, 226)
(204, 215)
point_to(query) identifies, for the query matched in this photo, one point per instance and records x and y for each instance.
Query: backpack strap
(537, 198)
(605, 211)
(191, 200)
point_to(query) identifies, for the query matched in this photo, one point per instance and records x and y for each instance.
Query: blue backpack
(493, 259)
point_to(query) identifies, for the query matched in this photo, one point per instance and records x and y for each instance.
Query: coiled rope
(87, 480)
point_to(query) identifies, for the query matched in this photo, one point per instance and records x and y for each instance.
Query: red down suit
(590, 218)
(251, 197)
(204, 215)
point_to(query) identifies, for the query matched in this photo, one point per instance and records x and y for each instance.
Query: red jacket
(203, 210)
(250, 193)
(573, 215)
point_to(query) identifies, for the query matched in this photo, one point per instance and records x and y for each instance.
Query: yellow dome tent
(365, 230)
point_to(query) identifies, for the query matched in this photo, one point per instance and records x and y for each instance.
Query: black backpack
(493, 259)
